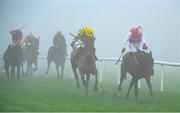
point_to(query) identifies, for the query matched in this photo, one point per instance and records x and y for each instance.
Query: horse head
(89, 49)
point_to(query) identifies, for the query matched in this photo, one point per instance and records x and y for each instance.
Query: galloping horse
(30, 55)
(139, 65)
(13, 58)
(57, 54)
(85, 62)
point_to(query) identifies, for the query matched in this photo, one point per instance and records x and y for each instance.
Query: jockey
(17, 36)
(60, 41)
(83, 36)
(30, 39)
(134, 40)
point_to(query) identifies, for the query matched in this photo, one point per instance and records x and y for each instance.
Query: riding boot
(124, 63)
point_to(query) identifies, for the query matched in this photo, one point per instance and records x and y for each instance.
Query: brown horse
(139, 65)
(85, 62)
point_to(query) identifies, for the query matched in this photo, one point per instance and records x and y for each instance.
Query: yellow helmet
(88, 31)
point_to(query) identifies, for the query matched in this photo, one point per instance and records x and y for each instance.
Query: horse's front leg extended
(75, 74)
(87, 83)
(136, 88)
(7, 71)
(28, 68)
(36, 66)
(31, 69)
(12, 77)
(96, 82)
(18, 71)
(121, 81)
(130, 86)
(48, 66)
(62, 70)
(57, 69)
(148, 81)
(83, 78)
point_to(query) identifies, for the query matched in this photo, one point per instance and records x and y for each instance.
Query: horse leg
(30, 68)
(18, 72)
(130, 86)
(7, 72)
(12, 72)
(87, 83)
(83, 79)
(62, 70)
(76, 75)
(136, 88)
(57, 69)
(36, 66)
(96, 83)
(48, 66)
(22, 65)
(148, 81)
(123, 76)
(6, 67)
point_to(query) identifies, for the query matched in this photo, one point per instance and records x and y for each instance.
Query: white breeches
(133, 47)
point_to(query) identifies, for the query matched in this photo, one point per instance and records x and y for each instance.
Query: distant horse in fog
(57, 54)
(30, 55)
(13, 58)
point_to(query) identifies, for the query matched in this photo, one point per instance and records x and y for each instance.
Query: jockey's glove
(123, 50)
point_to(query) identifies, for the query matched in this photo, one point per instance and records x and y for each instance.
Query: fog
(111, 21)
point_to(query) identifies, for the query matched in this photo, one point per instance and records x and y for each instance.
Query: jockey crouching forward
(83, 37)
(60, 41)
(29, 40)
(133, 42)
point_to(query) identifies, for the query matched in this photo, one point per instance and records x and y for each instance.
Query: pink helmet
(136, 31)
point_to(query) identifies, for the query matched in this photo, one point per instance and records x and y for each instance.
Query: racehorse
(138, 65)
(85, 62)
(13, 58)
(57, 54)
(30, 55)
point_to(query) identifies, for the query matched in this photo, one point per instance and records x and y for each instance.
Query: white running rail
(102, 60)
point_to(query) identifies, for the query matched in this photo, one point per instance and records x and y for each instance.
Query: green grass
(46, 93)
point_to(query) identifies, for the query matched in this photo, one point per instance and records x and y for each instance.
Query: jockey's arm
(74, 41)
(145, 47)
(125, 43)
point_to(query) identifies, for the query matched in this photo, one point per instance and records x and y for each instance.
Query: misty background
(111, 21)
